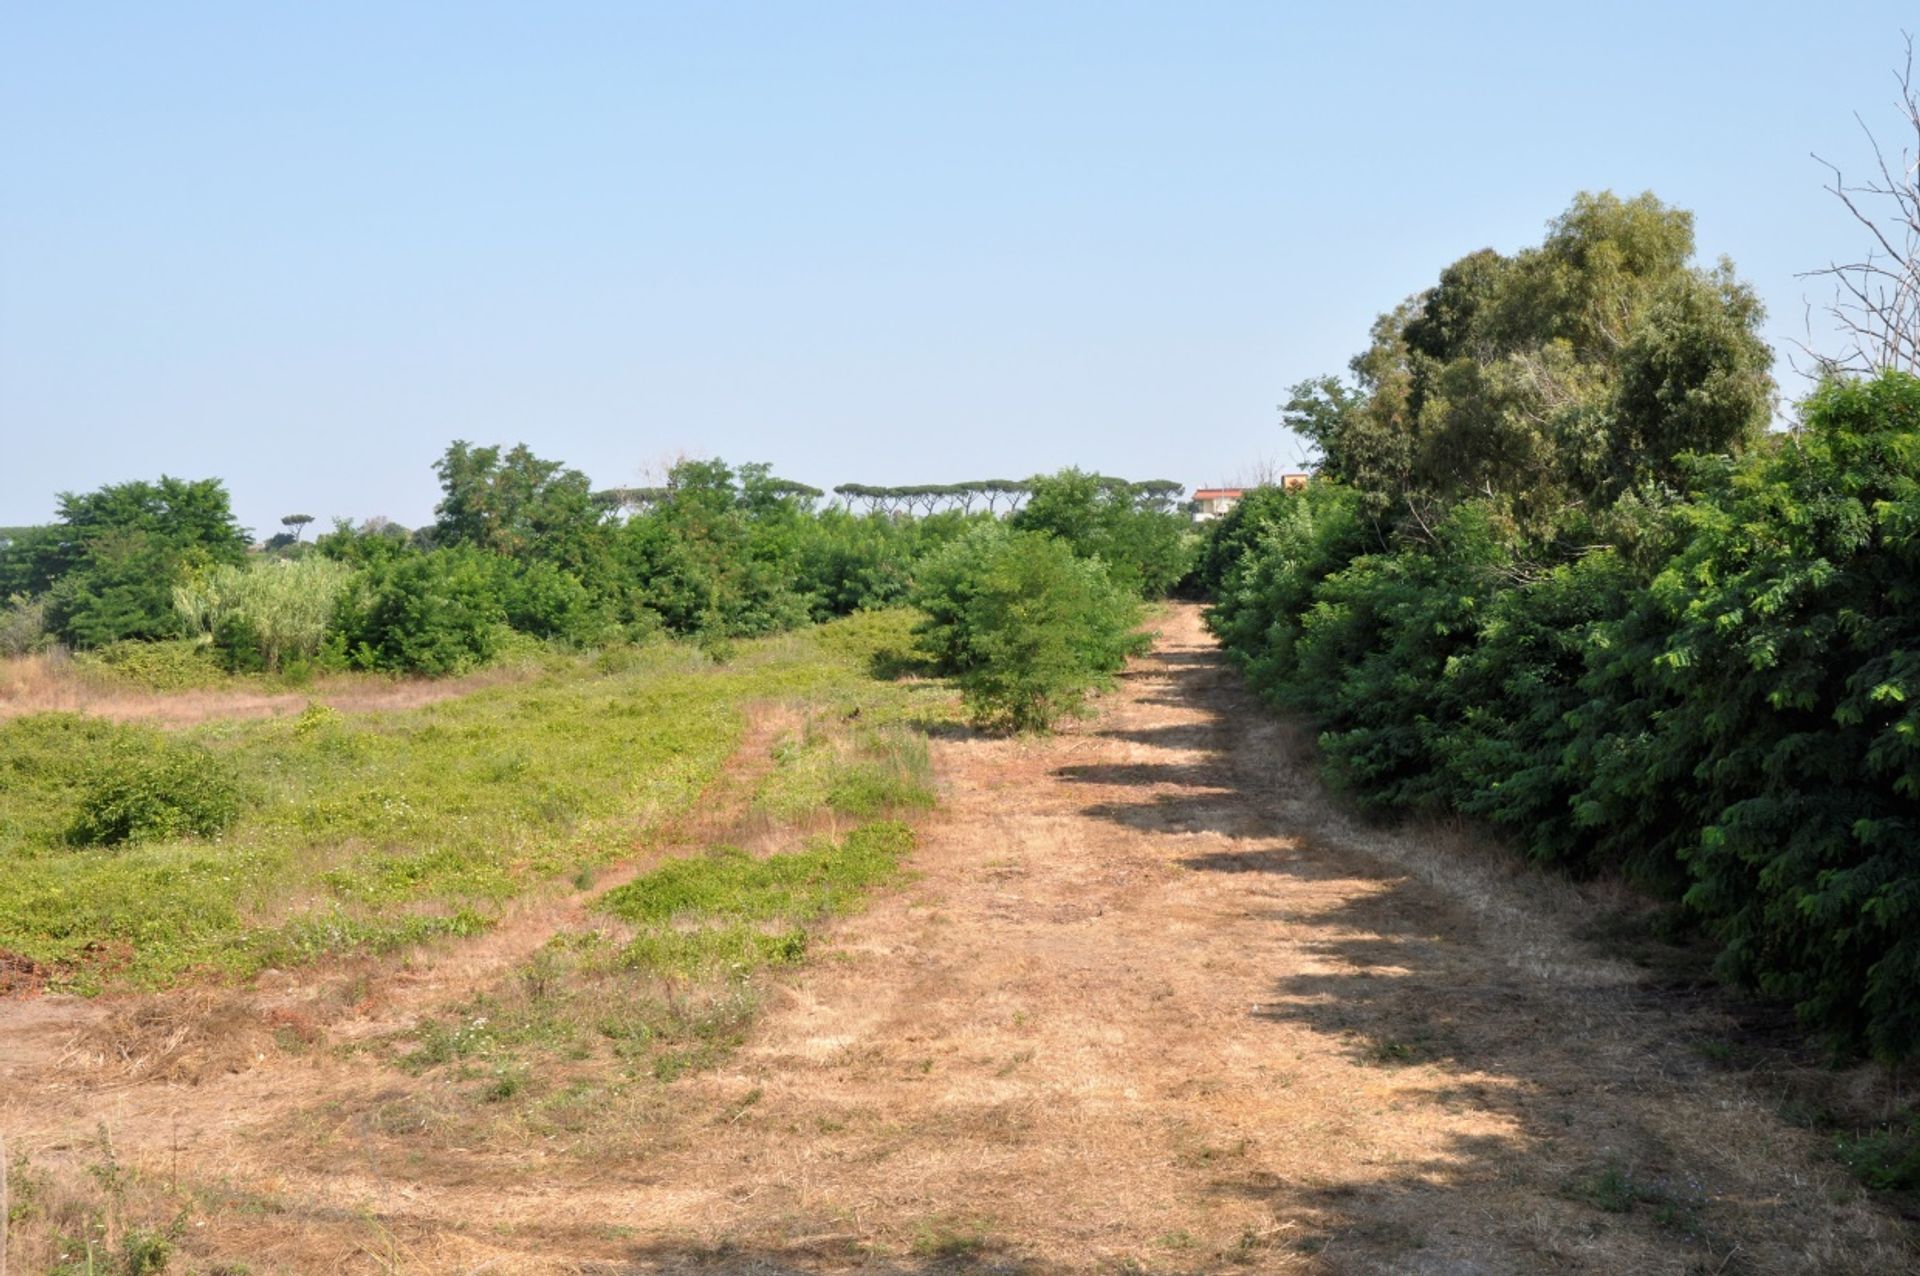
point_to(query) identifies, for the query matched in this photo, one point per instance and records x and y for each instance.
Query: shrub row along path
(1150, 1004)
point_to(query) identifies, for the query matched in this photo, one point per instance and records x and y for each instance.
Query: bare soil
(1151, 1004)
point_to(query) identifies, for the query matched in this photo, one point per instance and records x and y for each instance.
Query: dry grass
(51, 682)
(1152, 1005)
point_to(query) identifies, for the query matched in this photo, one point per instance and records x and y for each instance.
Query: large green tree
(1128, 527)
(1548, 382)
(517, 504)
(109, 565)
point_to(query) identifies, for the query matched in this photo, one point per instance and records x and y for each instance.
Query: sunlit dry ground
(1150, 1004)
(53, 683)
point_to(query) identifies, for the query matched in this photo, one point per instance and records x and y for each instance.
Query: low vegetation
(241, 844)
(1026, 627)
(672, 979)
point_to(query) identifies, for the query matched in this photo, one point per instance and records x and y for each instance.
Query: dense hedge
(1720, 699)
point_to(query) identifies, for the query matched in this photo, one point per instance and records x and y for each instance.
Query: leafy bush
(154, 790)
(1145, 546)
(1788, 697)
(434, 613)
(108, 567)
(549, 602)
(1292, 541)
(1027, 628)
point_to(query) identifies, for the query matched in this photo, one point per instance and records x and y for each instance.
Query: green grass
(371, 831)
(795, 886)
(590, 1015)
(727, 910)
(1884, 1157)
(178, 665)
(951, 1236)
(1619, 1189)
(849, 768)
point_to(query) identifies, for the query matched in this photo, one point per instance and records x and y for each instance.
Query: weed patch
(590, 1016)
(1884, 1157)
(371, 831)
(152, 790)
(733, 887)
(1616, 1188)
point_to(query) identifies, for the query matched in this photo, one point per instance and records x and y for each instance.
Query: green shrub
(1296, 540)
(1885, 1158)
(1027, 628)
(108, 567)
(1146, 547)
(153, 790)
(240, 645)
(547, 602)
(439, 612)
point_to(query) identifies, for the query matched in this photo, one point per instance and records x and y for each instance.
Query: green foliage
(1551, 381)
(517, 505)
(1789, 689)
(1027, 628)
(1546, 588)
(1129, 528)
(1373, 652)
(858, 769)
(1885, 1158)
(439, 612)
(714, 554)
(1287, 542)
(547, 601)
(523, 545)
(1718, 700)
(28, 559)
(728, 908)
(368, 831)
(176, 665)
(1226, 540)
(23, 625)
(148, 789)
(845, 563)
(109, 566)
(375, 540)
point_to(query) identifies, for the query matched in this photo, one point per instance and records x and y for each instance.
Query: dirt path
(1150, 1005)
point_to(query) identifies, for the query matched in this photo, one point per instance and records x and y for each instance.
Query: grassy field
(365, 831)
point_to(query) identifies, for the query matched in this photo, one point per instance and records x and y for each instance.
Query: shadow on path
(1636, 1138)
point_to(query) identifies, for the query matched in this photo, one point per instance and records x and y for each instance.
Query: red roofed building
(1211, 502)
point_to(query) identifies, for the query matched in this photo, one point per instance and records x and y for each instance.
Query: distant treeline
(525, 549)
(1561, 577)
(924, 498)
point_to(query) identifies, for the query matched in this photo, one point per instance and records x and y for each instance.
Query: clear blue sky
(302, 247)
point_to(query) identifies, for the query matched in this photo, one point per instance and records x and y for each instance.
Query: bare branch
(1875, 309)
